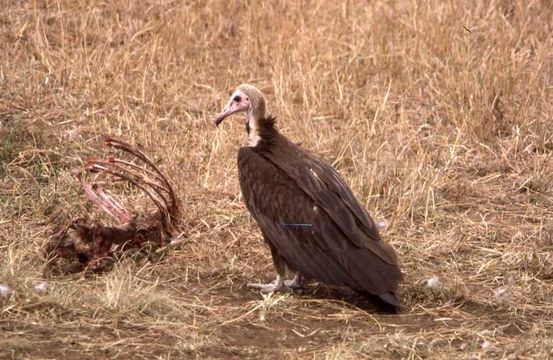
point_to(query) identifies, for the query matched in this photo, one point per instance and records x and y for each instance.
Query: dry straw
(438, 113)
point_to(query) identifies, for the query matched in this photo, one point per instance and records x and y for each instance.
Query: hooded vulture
(308, 215)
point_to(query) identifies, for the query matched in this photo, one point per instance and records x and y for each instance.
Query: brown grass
(438, 113)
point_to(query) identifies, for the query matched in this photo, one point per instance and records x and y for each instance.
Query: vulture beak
(232, 107)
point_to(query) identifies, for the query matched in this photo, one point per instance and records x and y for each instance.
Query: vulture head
(246, 98)
(249, 99)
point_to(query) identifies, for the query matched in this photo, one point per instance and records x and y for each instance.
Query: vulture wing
(310, 217)
(322, 183)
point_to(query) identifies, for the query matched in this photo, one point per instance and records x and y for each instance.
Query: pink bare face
(239, 102)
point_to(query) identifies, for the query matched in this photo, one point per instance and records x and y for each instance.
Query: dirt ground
(437, 113)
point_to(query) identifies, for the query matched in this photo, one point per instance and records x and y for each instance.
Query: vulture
(308, 215)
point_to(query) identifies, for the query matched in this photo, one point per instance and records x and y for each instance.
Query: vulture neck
(261, 130)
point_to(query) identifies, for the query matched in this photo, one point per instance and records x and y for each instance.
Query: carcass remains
(89, 245)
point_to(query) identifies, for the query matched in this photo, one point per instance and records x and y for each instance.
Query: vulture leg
(280, 265)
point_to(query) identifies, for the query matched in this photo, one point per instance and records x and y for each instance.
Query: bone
(90, 245)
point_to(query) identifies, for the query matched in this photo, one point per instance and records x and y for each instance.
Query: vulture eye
(237, 98)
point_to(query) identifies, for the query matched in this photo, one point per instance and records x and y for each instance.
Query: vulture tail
(387, 302)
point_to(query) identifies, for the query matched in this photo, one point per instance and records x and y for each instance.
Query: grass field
(439, 114)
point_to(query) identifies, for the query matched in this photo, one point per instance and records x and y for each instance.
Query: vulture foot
(280, 284)
(276, 285)
(297, 282)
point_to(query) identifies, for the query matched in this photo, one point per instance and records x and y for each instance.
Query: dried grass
(438, 113)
